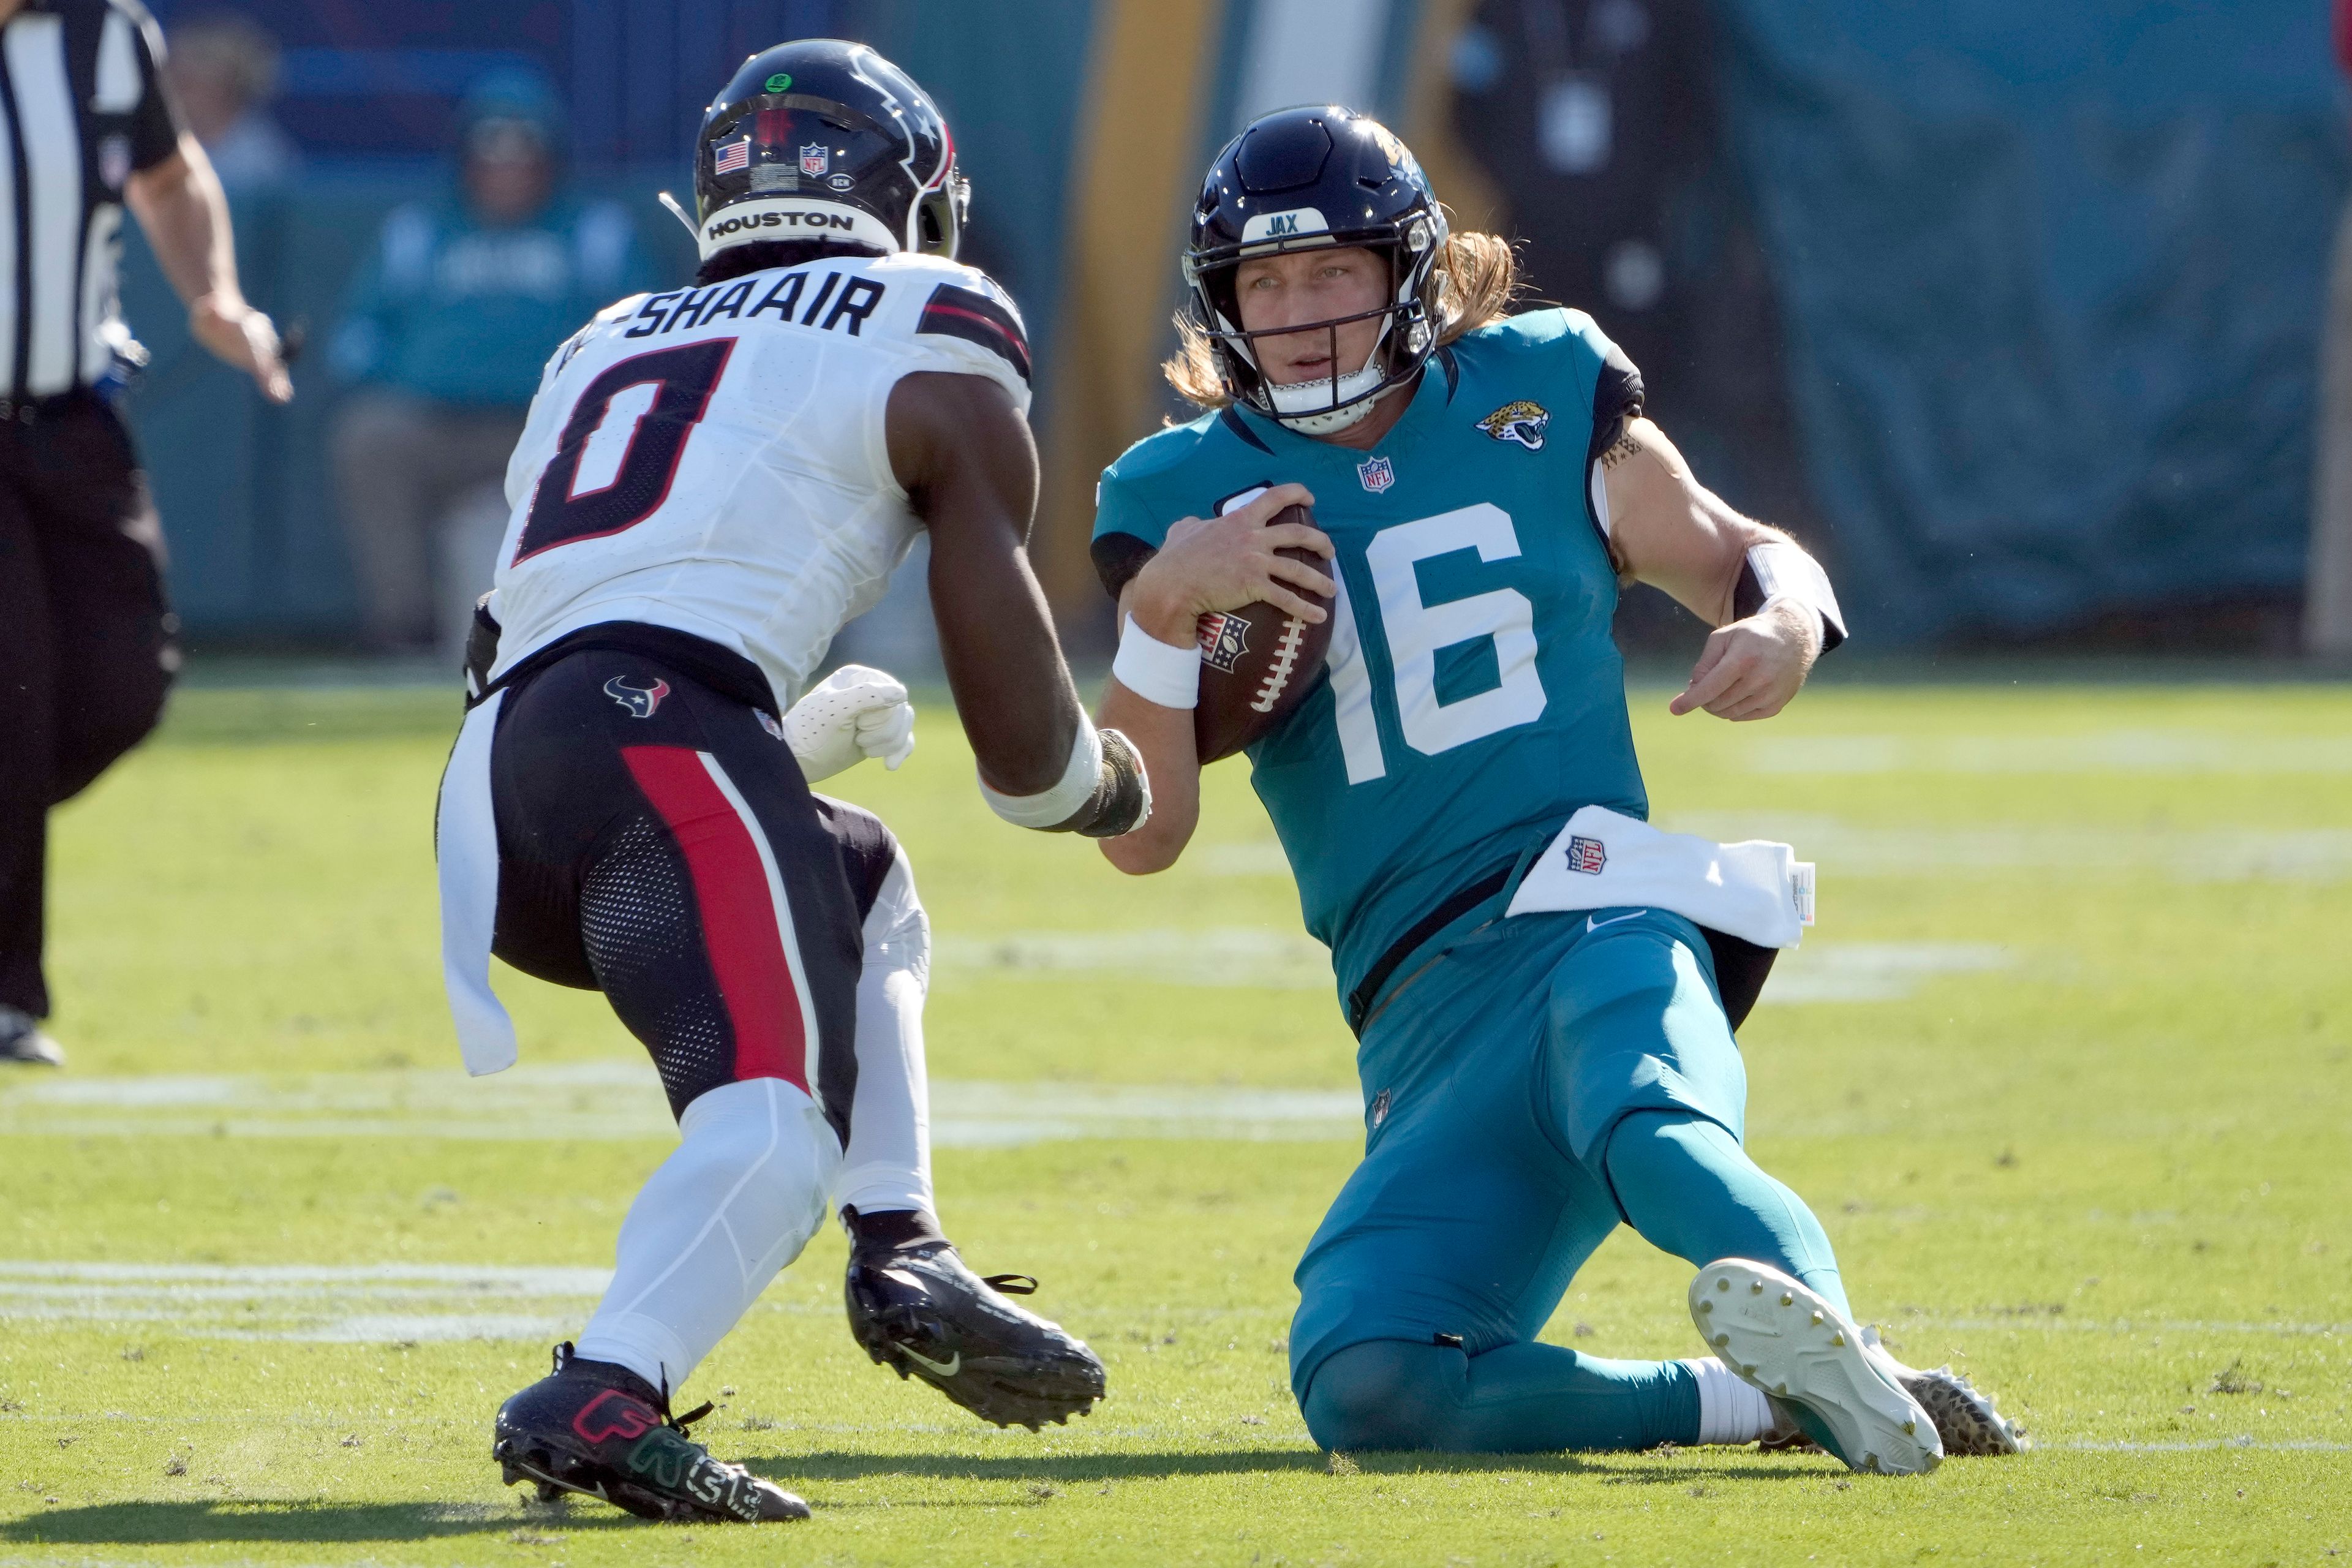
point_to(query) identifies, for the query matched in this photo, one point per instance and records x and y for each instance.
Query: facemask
(1305, 407)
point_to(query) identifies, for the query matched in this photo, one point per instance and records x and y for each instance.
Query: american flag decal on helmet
(966, 313)
(733, 155)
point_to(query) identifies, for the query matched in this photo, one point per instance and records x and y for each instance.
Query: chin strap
(1353, 392)
(678, 213)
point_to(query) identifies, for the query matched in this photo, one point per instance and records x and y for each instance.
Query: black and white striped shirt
(81, 108)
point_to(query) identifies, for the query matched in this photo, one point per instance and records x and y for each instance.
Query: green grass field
(2066, 1069)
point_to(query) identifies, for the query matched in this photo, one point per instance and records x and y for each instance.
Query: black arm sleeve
(1118, 557)
(155, 124)
(1616, 399)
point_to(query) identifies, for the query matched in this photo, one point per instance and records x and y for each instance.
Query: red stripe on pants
(739, 915)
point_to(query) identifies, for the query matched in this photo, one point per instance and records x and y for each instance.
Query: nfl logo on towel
(1376, 473)
(1587, 855)
(816, 161)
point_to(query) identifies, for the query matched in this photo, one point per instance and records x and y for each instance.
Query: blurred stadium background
(2014, 311)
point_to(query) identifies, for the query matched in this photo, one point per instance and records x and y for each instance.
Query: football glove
(852, 714)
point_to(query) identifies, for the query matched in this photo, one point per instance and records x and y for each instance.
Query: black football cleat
(915, 1307)
(603, 1431)
(22, 1040)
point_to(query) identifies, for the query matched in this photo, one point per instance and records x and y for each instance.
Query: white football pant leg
(888, 1162)
(736, 1202)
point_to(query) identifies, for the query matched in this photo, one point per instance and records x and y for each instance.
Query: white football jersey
(714, 460)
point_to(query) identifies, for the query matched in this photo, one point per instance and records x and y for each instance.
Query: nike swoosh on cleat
(1591, 923)
(947, 1368)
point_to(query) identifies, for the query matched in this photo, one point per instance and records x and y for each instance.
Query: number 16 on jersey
(1416, 633)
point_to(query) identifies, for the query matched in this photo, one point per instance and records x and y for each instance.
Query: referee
(86, 648)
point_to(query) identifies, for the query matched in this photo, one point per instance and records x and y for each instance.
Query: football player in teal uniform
(1482, 484)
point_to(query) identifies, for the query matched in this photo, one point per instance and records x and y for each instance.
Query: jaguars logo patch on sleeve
(1523, 422)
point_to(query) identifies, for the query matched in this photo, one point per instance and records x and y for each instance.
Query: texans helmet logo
(640, 700)
(1522, 422)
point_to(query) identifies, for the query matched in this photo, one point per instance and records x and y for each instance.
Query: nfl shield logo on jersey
(1376, 473)
(1587, 855)
(816, 161)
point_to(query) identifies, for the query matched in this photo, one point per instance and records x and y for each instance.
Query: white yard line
(1823, 970)
(375, 1303)
(2190, 855)
(2217, 852)
(1216, 957)
(606, 1100)
(2136, 750)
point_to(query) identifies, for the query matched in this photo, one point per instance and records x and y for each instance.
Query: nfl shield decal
(1587, 855)
(1376, 474)
(1224, 639)
(816, 161)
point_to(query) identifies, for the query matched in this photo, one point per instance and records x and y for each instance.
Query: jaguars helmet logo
(1522, 422)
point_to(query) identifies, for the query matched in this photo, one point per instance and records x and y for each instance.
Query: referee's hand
(240, 335)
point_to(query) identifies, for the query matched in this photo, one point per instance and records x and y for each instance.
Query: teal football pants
(1551, 1077)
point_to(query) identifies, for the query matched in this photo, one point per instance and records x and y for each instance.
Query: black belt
(1460, 902)
(33, 410)
(722, 669)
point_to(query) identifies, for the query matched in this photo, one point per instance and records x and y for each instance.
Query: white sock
(738, 1200)
(888, 1162)
(1730, 1410)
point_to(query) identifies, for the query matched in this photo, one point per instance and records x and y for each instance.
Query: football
(1256, 662)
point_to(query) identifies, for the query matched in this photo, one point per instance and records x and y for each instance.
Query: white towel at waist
(465, 843)
(1757, 891)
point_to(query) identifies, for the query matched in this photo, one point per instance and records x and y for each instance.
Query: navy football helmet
(826, 141)
(1302, 178)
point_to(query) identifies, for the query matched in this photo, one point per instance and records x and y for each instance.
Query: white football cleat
(1966, 1421)
(1786, 1339)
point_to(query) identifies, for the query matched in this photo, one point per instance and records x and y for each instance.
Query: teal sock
(1691, 1190)
(1517, 1399)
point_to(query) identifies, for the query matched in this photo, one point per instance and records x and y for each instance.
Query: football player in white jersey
(712, 479)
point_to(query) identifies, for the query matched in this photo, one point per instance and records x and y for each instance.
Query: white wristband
(1059, 803)
(1784, 571)
(1157, 671)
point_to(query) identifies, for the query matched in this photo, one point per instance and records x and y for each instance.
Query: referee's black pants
(86, 642)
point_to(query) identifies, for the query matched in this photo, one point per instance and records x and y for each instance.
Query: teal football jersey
(1474, 697)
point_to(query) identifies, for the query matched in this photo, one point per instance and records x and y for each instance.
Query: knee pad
(759, 1155)
(1385, 1394)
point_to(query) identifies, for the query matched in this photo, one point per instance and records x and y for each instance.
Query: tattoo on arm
(1620, 449)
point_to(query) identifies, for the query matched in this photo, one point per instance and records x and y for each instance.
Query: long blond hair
(1475, 282)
